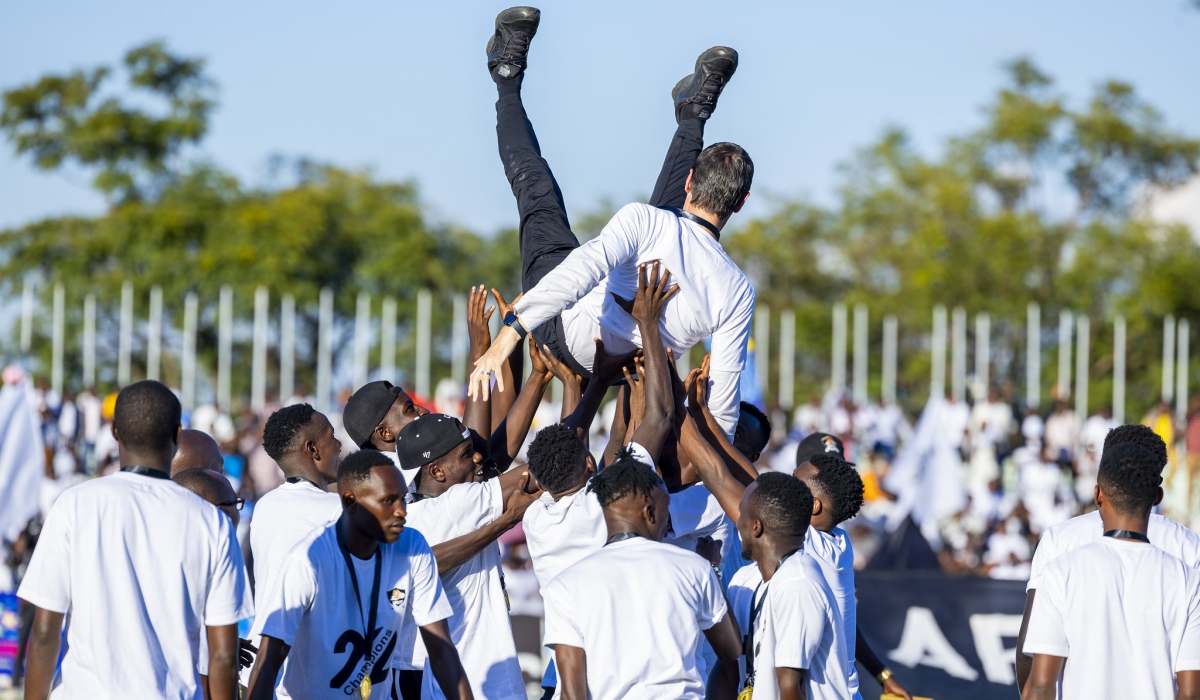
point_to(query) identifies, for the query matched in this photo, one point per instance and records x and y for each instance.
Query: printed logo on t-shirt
(375, 652)
(396, 597)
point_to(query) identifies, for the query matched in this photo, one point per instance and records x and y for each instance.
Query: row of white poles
(261, 322)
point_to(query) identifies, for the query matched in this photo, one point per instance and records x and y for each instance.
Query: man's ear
(756, 529)
(178, 433)
(687, 186)
(435, 471)
(817, 507)
(742, 204)
(118, 437)
(1097, 497)
(349, 502)
(589, 464)
(313, 451)
(1157, 498)
(384, 434)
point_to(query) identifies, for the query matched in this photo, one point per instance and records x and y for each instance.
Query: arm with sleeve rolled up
(579, 273)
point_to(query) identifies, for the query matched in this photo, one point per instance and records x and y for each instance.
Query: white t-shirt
(799, 626)
(560, 533)
(715, 298)
(313, 608)
(479, 624)
(142, 566)
(1164, 533)
(696, 513)
(1125, 615)
(834, 556)
(637, 608)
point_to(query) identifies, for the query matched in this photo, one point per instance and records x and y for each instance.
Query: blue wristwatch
(514, 323)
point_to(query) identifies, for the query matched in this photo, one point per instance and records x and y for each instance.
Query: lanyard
(300, 479)
(621, 536)
(748, 648)
(369, 623)
(716, 232)
(147, 471)
(1128, 534)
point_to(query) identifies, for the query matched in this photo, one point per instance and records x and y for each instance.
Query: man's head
(752, 433)
(818, 443)
(373, 492)
(197, 450)
(775, 512)
(633, 497)
(837, 489)
(442, 449)
(377, 412)
(720, 181)
(146, 423)
(299, 435)
(559, 460)
(1140, 435)
(212, 487)
(1128, 483)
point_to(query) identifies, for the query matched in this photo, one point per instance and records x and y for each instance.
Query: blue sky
(401, 88)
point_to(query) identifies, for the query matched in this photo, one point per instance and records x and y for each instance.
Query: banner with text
(944, 637)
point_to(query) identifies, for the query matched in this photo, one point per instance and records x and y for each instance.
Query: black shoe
(508, 47)
(700, 90)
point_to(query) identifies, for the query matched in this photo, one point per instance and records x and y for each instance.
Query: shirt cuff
(1047, 649)
(641, 454)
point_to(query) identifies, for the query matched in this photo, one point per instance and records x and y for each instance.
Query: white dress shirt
(715, 298)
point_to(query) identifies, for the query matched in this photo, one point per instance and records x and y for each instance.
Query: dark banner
(945, 637)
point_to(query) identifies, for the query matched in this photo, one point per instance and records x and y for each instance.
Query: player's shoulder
(1175, 538)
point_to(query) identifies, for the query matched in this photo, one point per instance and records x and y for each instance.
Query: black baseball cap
(427, 438)
(816, 444)
(366, 408)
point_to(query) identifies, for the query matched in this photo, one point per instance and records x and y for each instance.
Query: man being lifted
(567, 304)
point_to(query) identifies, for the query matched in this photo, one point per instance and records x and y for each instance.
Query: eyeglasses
(237, 503)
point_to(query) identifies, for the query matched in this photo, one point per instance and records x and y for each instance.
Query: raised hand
(477, 320)
(653, 293)
(607, 368)
(505, 307)
(537, 362)
(637, 395)
(698, 386)
(559, 369)
(520, 499)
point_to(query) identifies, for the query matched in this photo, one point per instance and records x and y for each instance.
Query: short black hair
(1129, 477)
(721, 178)
(624, 478)
(1137, 434)
(557, 457)
(764, 424)
(356, 467)
(147, 416)
(784, 503)
(840, 485)
(284, 427)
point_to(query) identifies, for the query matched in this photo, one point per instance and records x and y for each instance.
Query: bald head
(212, 487)
(197, 450)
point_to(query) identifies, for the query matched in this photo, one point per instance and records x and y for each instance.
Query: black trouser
(545, 232)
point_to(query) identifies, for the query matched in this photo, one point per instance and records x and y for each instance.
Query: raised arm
(606, 370)
(652, 297)
(477, 414)
(620, 424)
(711, 468)
(506, 441)
(739, 466)
(510, 372)
(452, 554)
(574, 277)
(572, 383)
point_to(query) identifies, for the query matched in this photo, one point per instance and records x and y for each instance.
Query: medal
(364, 687)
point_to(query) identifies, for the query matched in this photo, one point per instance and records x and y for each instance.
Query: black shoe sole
(718, 63)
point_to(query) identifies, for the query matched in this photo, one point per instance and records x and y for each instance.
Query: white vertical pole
(387, 341)
(89, 341)
(838, 380)
(683, 364)
(362, 338)
(1181, 369)
(258, 361)
(787, 359)
(154, 335)
(191, 313)
(1064, 355)
(125, 339)
(1033, 355)
(424, 341)
(762, 347)
(1168, 359)
(890, 353)
(860, 353)
(1118, 400)
(27, 316)
(325, 351)
(459, 341)
(287, 348)
(225, 350)
(937, 382)
(56, 348)
(958, 354)
(1083, 329)
(983, 353)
